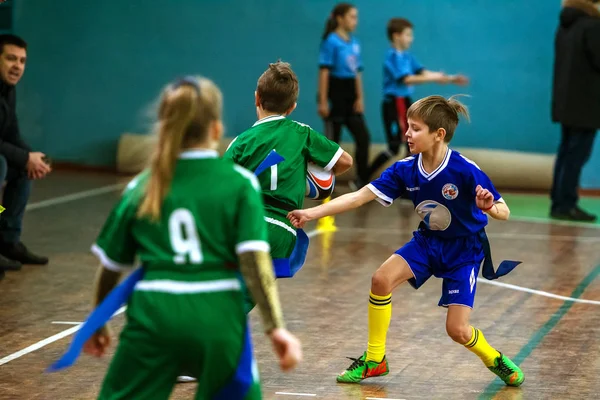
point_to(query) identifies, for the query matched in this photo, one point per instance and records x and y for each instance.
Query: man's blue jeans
(16, 196)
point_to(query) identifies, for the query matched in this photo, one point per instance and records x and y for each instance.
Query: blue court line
(493, 388)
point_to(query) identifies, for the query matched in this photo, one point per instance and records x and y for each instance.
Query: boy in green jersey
(283, 186)
(187, 312)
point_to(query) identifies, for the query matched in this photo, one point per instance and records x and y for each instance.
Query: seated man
(18, 164)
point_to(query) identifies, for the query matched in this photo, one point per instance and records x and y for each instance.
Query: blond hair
(186, 110)
(438, 112)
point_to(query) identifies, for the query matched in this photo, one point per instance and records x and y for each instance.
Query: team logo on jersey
(450, 191)
(352, 63)
(434, 215)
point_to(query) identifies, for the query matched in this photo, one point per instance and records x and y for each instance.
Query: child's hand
(444, 79)
(483, 198)
(323, 110)
(97, 344)
(359, 106)
(298, 218)
(287, 347)
(459, 80)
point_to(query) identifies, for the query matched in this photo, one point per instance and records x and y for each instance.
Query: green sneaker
(507, 371)
(361, 369)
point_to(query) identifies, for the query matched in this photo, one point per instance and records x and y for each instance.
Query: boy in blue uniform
(401, 71)
(451, 195)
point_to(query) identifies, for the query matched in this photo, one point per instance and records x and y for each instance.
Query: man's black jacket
(12, 146)
(576, 89)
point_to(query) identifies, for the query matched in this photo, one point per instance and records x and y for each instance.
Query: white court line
(109, 188)
(506, 235)
(297, 394)
(47, 203)
(39, 345)
(538, 292)
(537, 220)
(538, 236)
(67, 332)
(508, 285)
(67, 322)
(47, 341)
(74, 196)
(380, 398)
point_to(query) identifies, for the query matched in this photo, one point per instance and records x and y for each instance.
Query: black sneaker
(574, 214)
(18, 252)
(7, 264)
(2, 273)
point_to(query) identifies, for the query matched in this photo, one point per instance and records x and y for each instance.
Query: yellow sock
(481, 347)
(380, 314)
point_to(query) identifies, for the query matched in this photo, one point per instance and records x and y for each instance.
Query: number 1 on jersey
(184, 237)
(274, 177)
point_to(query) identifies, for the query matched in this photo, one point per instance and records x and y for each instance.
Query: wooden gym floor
(537, 315)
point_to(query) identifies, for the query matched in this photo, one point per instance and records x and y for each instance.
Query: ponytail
(186, 111)
(176, 115)
(330, 26)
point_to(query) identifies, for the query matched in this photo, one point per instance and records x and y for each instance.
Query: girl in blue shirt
(340, 94)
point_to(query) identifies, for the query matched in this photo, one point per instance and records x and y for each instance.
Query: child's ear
(441, 134)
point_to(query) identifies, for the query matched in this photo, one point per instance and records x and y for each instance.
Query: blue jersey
(444, 198)
(397, 66)
(341, 57)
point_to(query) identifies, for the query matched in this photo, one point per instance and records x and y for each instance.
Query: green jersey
(297, 143)
(187, 313)
(213, 211)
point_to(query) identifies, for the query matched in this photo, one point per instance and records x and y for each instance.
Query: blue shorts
(456, 261)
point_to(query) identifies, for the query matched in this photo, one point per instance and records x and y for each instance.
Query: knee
(459, 331)
(380, 284)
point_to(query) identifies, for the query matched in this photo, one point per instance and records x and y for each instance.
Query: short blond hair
(438, 112)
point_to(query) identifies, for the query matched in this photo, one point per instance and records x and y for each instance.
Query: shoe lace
(356, 364)
(503, 368)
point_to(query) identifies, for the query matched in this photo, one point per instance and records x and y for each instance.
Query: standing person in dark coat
(18, 164)
(575, 102)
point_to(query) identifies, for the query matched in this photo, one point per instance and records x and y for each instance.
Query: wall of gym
(94, 68)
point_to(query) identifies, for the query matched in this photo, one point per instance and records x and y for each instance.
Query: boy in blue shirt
(451, 196)
(401, 71)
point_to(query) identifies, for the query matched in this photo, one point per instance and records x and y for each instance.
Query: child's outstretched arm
(427, 76)
(343, 203)
(485, 201)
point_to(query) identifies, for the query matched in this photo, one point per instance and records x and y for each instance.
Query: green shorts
(167, 333)
(282, 243)
(281, 240)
